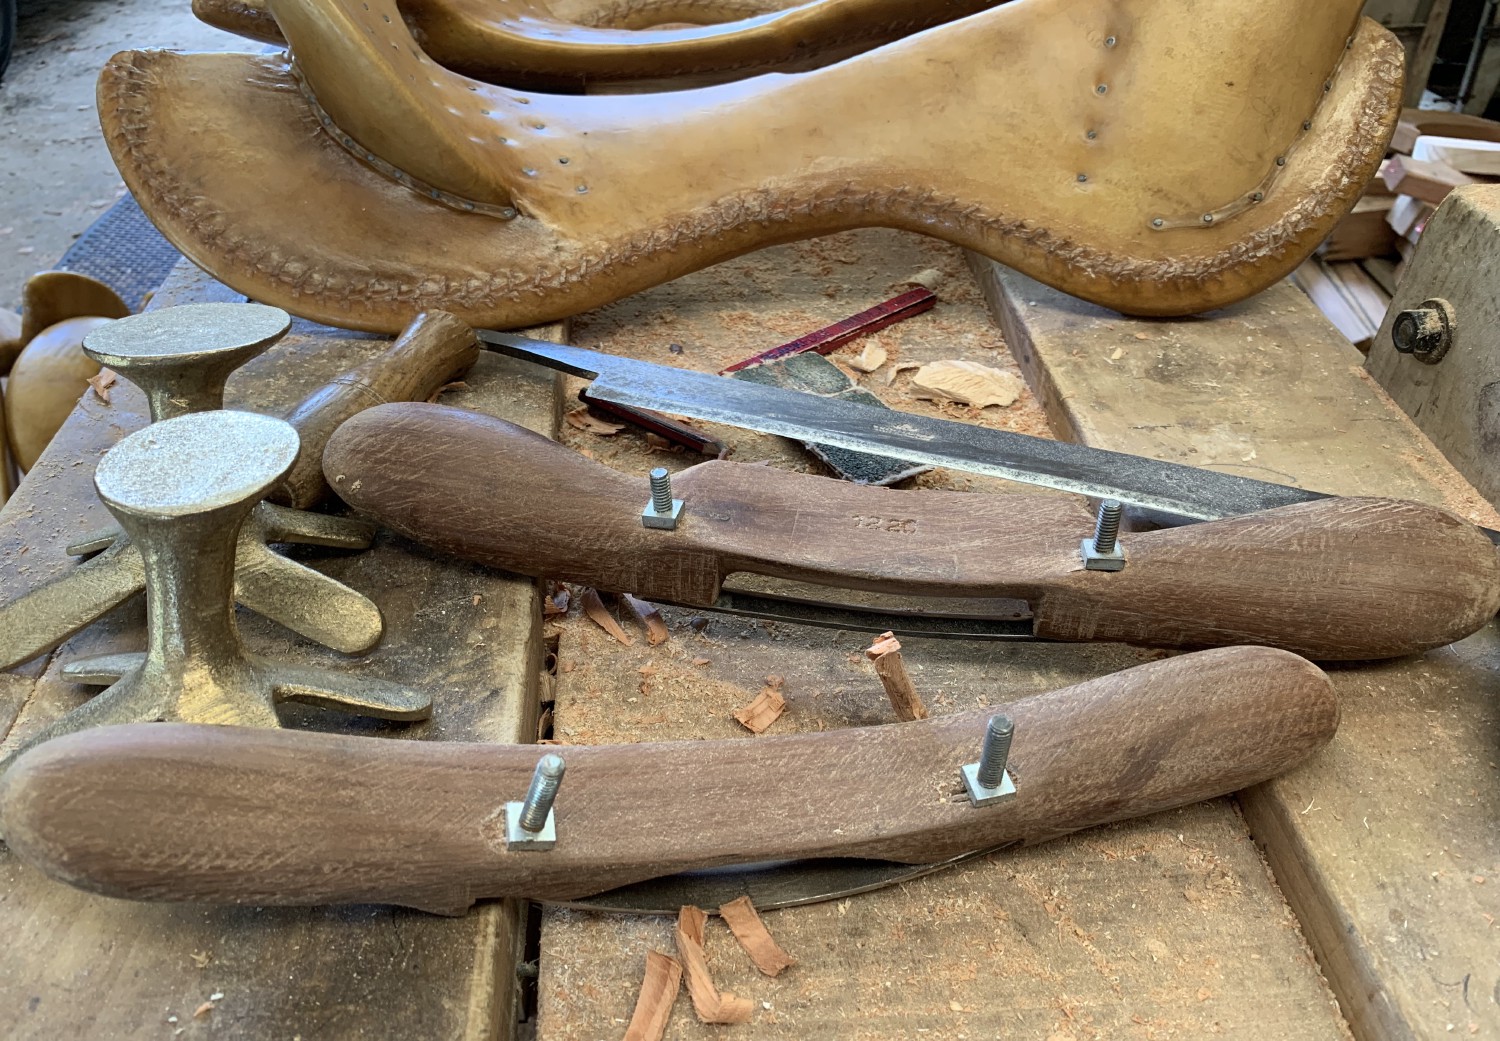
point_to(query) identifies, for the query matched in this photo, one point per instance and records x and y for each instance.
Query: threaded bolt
(1107, 529)
(542, 793)
(661, 490)
(996, 752)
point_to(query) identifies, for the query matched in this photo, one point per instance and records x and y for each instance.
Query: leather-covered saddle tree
(1161, 157)
(533, 43)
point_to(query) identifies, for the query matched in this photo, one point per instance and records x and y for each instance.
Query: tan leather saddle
(539, 44)
(1160, 157)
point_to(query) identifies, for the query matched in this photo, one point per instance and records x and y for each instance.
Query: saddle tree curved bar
(293, 817)
(529, 43)
(1177, 157)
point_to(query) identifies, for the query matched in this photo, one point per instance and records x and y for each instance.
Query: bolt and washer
(663, 510)
(531, 825)
(987, 781)
(1103, 552)
(1425, 332)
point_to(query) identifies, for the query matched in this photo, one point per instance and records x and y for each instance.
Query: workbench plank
(1169, 926)
(1385, 843)
(75, 965)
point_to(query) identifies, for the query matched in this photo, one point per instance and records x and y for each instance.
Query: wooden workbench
(1169, 926)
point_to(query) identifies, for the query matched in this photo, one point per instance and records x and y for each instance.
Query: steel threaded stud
(1107, 528)
(661, 490)
(996, 750)
(542, 793)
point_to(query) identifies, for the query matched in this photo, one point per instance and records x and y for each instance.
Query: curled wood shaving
(650, 618)
(711, 1005)
(885, 652)
(763, 711)
(445, 388)
(594, 607)
(869, 359)
(583, 419)
(101, 382)
(556, 604)
(753, 935)
(653, 1006)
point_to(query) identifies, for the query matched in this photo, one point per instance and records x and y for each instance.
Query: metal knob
(182, 356)
(181, 489)
(1425, 332)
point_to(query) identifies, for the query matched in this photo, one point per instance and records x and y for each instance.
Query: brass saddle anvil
(540, 44)
(1153, 156)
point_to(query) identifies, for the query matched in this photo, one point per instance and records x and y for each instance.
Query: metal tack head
(663, 510)
(988, 781)
(1103, 551)
(531, 825)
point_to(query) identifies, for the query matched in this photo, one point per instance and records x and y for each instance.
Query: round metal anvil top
(175, 335)
(196, 463)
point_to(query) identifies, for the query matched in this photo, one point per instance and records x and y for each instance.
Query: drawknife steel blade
(791, 883)
(1172, 489)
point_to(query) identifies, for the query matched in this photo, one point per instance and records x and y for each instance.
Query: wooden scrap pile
(1355, 272)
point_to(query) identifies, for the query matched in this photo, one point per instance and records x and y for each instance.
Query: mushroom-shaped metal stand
(181, 489)
(181, 357)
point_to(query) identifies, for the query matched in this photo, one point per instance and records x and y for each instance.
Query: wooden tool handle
(237, 815)
(1333, 579)
(436, 348)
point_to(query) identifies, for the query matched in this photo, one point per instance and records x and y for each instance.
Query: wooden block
(1380, 843)
(79, 966)
(1408, 216)
(1457, 401)
(1167, 925)
(1348, 297)
(1425, 179)
(1415, 122)
(1362, 232)
(1462, 154)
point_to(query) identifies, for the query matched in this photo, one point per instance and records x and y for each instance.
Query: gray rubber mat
(123, 250)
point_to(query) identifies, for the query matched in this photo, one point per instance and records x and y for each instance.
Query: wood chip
(885, 652)
(753, 935)
(203, 1010)
(763, 711)
(869, 359)
(594, 607)
(711, 1005)
(101, 382)
(583, 419)
(445, 388)
(650, 618)
(653, 1006)
(967, 382)
(556, 604)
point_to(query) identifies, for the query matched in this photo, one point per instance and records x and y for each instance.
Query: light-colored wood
(1385, 846)
(1415, 123)
(1462, 154)
(1457, 401)
(363, 972)
(1347, 296)
(1426, 179)
(1419, 67)
(1169, 925)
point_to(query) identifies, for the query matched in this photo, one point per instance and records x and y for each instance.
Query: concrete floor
(55, 172)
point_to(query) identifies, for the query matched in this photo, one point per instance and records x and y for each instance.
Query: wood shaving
(653, 1006)
(650, 618)
(556, 604)
(967, 382)
(885, 652)
(753, 935)
(203, 1010)
(593, 606)
(868, 360)
(101, 382)
(711, 1005)
(445, 388)
(583, 419)
(763, 711)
